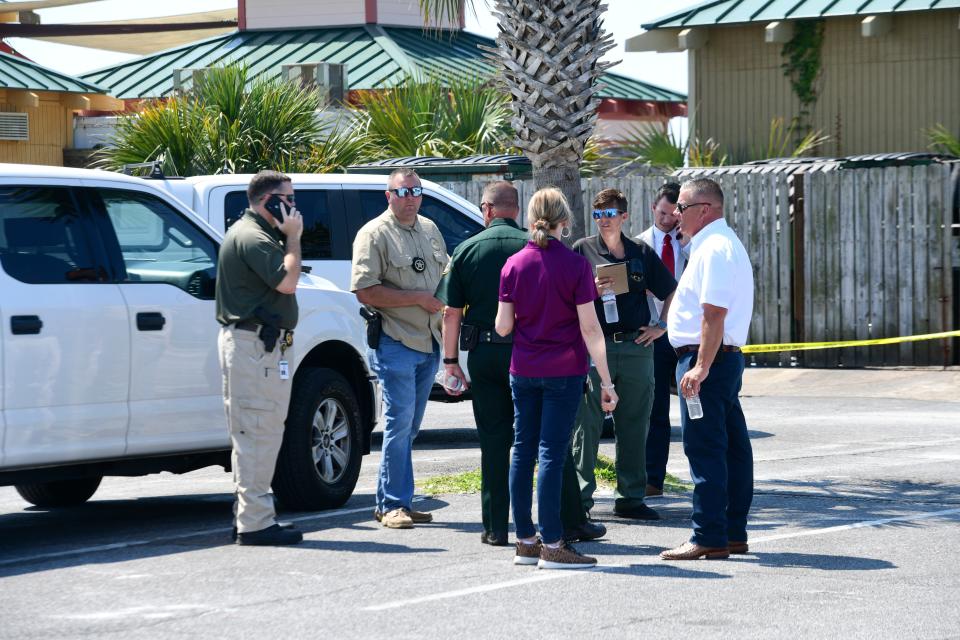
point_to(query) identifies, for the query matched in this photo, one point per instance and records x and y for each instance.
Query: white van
(108, 350)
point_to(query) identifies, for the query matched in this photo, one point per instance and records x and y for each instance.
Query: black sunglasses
(289, 197)
(402, 192)
(683, 207)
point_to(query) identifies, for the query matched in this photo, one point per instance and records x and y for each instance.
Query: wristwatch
(451, 361)
(661, 324)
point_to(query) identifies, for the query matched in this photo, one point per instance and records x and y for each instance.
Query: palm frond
(940, 139)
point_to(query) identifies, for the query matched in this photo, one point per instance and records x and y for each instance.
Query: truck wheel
(59, 493)
(319, 462)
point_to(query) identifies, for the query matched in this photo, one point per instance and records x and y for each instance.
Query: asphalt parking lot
(854, 533)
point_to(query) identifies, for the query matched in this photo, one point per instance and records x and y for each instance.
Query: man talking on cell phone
(257, 273)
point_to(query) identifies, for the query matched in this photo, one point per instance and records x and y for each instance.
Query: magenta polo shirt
(545, 287)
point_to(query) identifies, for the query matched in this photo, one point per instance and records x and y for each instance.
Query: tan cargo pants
(256, 401)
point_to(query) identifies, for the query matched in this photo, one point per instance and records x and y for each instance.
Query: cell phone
(273, 206)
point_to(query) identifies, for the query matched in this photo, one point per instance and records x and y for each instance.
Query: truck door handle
(150, 321)
(25, 325)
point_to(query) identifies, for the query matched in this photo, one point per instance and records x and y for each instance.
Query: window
(42, 237)
(454, 225)
(160, 245)
(316, 243)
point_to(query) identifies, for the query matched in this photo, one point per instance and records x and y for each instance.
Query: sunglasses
(606, 213)
(403, 192)
(683, 207)
(288, 197)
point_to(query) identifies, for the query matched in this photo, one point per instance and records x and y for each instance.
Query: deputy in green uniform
(470, 288)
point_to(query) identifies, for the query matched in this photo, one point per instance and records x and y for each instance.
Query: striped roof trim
(726, 12)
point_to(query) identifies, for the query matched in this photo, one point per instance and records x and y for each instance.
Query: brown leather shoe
(693, 551)
(652, 491)
(738, 547)
(420, 517)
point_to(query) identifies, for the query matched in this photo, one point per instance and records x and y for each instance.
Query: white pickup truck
(334, 207)
(108, 356)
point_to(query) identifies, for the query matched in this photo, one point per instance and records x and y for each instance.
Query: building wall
(48, 133)
(279, 14)
(876, 94)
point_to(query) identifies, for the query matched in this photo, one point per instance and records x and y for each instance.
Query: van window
(316, 243)
(42, 237)
(455, 227)
(159, 245)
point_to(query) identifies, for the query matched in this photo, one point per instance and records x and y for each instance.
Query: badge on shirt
(419, 264)
(284, 370)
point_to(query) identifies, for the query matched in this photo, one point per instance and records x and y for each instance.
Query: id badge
(284, 370)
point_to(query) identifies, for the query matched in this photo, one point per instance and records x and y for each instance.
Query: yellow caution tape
(805, 346)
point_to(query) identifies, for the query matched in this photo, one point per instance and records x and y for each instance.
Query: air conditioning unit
(14, 126)
(329, 78)
(185, 79)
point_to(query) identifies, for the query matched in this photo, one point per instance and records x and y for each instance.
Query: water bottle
(694, 408)
(610, 313)
(451, 382)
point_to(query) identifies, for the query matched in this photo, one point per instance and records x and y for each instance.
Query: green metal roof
(17, 73)
(725, 12)
(375, 56)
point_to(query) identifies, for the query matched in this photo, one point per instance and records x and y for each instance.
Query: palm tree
(549, 53)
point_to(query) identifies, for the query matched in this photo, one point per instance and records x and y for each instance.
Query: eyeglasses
(606, 213)
(289, 197)
(403, 192)
(683, 207)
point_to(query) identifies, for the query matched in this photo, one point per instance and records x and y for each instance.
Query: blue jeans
(721, 458)
(407, 377)
(544, 413)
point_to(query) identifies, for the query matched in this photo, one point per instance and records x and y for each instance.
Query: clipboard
(617, 271)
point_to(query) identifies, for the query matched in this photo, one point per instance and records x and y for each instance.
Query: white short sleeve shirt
(718, 273)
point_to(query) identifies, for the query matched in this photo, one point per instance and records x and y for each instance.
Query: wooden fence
(838, 254)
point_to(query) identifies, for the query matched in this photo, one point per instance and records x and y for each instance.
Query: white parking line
(181, 536)
(395, 604)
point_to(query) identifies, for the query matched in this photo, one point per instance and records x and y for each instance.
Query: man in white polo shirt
(707, 324)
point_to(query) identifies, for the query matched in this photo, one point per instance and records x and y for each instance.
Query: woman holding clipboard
(627, 269)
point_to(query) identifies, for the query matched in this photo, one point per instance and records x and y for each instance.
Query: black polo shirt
(645, 271)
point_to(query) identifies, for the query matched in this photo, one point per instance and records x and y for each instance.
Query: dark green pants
(631, 370)
(489, 366)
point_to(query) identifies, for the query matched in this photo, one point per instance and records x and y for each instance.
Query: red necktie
(667, 254)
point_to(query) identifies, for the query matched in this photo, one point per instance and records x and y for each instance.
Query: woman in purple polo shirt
(546, 299)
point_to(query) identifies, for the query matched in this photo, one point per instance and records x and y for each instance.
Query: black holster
(374, 326)
(269, 328)
(469, 337)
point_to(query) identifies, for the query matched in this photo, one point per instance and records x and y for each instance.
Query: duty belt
(690, 348)
(623, 336)
(494, 337)
(286, 335)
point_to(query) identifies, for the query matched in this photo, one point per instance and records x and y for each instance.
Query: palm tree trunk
(566, 178)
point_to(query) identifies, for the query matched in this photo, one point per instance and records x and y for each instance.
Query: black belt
(250, 325)
(494, 337)
(690, 348)
(623, 336)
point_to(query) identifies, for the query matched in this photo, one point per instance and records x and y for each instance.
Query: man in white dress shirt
(707, 323)
(665, 239)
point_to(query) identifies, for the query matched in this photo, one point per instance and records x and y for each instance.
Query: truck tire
(59, 493)
(319, 461)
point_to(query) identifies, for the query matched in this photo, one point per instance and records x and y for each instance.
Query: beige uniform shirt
(384, 253)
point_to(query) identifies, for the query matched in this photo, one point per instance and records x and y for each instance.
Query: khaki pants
(255, 400)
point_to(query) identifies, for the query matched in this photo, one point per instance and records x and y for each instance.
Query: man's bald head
(499, 200)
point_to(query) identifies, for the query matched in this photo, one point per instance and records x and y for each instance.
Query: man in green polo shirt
(257, 273)
(470, 288)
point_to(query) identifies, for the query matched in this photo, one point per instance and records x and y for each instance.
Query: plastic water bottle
(694, 408)
(610, 313)
(451, 382)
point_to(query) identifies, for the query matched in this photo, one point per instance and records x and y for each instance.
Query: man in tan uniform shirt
(398, 258)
